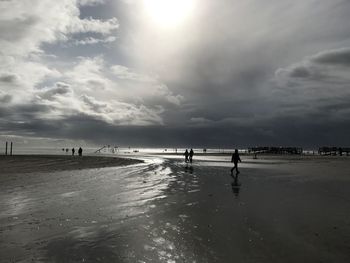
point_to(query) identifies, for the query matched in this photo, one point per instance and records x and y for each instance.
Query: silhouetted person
(73, 151)
(80, 151)
(235, 159)
(67, 150)
(191, 155)
(341, 151)
(186, 156)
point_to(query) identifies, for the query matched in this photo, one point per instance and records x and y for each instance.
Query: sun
(168, 13)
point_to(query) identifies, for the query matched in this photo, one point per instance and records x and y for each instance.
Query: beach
(280, 209)
(51, 163)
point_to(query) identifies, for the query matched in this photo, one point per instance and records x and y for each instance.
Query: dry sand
(281, 210)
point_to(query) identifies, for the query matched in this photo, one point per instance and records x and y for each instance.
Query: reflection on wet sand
(189, 168)
(158, 234)
(236, 185)
(65, 212)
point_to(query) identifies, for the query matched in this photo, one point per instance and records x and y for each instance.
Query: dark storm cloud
(13, 30)
(8, 78)
(24, 112)
(291, 130)
(317, 67)
(5, 98)
(333, 57)
(300, 72)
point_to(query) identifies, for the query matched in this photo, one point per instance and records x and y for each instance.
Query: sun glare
(168, 13)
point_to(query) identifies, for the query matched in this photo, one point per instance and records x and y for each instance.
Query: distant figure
(80, 151)
(67, 150)
(186, 156)
(191, 155)
(235, 159)
(73, 151)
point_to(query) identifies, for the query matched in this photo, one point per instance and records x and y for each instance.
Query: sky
(175, 73)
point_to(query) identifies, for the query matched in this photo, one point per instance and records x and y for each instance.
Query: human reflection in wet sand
(189, 168)
(235, 185)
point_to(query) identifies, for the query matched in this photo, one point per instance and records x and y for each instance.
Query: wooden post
(6, 149)
(11, 149)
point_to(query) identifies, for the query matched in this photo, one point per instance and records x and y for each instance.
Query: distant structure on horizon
(334, 150)
(108, 149)
(276, 150)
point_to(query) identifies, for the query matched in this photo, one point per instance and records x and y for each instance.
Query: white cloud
(62, 102)
(151, 86)
(66, 88)
(59, 89)
(19, 77)
(95, 105)
(113, 99)
(163, 91)
(85, 87)
(125, 73)
(26, 24)
(92, 40)
(88, 75)
(78, 25)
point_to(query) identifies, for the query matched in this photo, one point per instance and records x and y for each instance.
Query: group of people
(234, 159)
(189, 155)
(80, 151)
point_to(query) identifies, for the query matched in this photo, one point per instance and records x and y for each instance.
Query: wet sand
(280, 210)
(52, 163)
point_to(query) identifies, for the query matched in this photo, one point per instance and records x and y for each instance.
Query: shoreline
(33, 163)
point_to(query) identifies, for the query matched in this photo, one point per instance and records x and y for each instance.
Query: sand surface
(279, 210)
(51, 163)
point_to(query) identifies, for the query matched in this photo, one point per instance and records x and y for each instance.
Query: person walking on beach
(191, 155)
(235, 159)
(73, 151)
(186, 156)
(80, 151)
